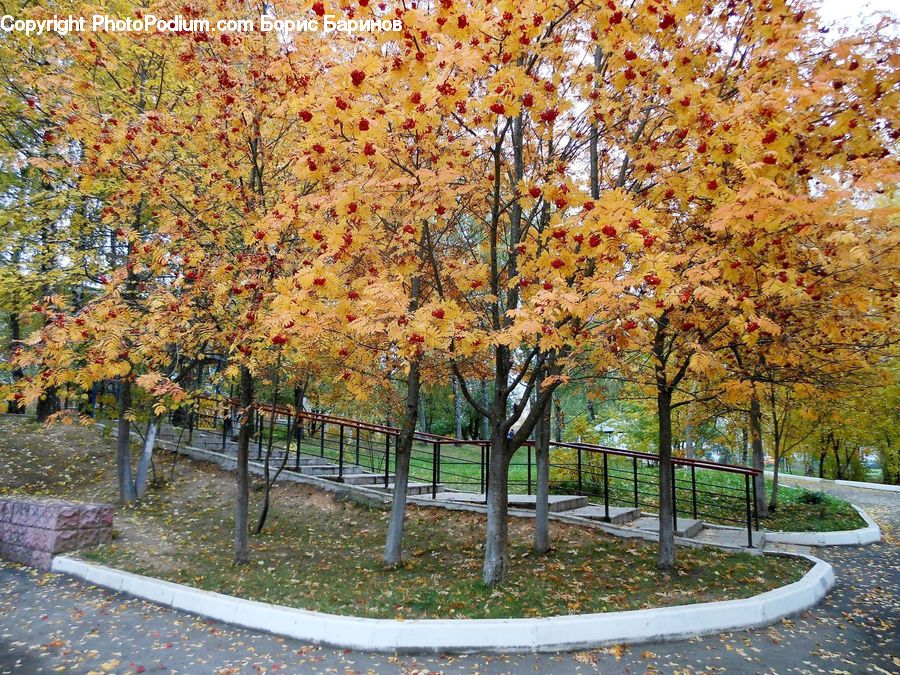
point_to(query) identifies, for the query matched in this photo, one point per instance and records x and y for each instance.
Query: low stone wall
(33, 529)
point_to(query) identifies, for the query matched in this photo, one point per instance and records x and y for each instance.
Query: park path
(52, 623)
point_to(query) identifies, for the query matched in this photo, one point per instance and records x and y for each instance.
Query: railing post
(694, 489)
(298, 432)
(606, 485)
(528, 462)
(341, 453)
(224, 433)
(579, 472)
(435, 459)
(636, 504)
(674, 499)
(487, 466)
(387, 459)
(357, 446)
(747, 501)
(322, 439)
(755, 506)
(481, 484)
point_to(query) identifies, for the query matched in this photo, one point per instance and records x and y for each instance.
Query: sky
(847, 12)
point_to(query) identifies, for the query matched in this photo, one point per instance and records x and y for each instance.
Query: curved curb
(557, 633)
(864, 535)
(828, 481)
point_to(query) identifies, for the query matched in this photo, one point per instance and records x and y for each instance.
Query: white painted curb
(864, 535)
(849, 483)
(555, 633)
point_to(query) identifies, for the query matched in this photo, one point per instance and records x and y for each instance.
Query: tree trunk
(457, 408)
(421, 424)
(393, 548)
(485, 422)
(773, 500)
(745, 445)
(242, 501)
(838, 466)
(495, 549)
(560, 419)
(143, 470)
(47, 404)
(759, 458)
(127, 493)
(542, 493)
(666, 556)
(15, 334)
(689, 441)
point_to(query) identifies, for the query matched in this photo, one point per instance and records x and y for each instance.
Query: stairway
(315, 465)
(308, 464)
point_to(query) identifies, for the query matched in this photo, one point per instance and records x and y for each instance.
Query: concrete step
(313, 459)
(362, 478)
(557, 502)
(685, 527)
(618, 515)
(417, 488)
(317, 469)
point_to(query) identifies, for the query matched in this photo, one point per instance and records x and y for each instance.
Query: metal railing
(611, 477)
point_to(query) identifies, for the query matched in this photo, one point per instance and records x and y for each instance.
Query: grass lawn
(321, 553)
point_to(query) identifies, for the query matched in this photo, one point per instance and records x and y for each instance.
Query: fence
(611, 477)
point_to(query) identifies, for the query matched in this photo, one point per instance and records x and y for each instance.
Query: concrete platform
(685, 527)
(557, 502)
(727, 537)
(618, 515)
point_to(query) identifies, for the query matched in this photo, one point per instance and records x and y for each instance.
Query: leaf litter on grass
(325, 554)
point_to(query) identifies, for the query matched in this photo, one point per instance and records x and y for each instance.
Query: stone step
(685, 527)
(416, 488)
(618, 515)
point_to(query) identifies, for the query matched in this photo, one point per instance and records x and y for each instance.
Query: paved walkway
(52, 623)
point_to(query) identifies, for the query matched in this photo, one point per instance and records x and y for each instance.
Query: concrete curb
(864, 535)
(550, 634)
(827, 481)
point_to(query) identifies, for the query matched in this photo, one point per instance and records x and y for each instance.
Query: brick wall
(34, 529)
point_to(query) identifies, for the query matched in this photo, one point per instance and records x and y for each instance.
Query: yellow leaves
(737, 392)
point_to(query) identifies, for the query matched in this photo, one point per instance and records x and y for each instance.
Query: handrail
(588, 472)
(448, 440)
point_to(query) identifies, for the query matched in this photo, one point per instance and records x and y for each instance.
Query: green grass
(720, 495)
(324, 554)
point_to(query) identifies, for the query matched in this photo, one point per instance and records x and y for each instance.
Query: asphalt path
(53, 623)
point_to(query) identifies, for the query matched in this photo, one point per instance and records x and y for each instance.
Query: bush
(808, 497)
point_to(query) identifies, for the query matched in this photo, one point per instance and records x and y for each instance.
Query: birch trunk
(127, 493)
(393, 548)
(143, 470)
